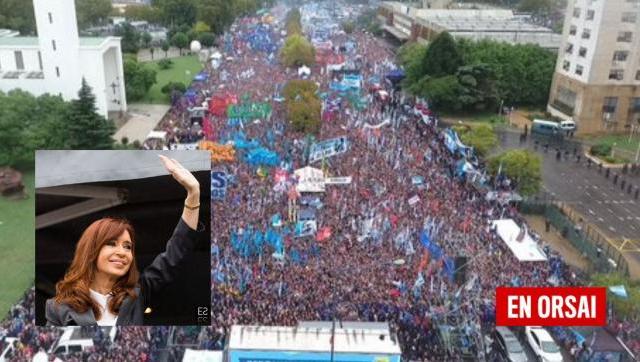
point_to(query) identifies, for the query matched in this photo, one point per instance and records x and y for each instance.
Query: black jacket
(158, 274)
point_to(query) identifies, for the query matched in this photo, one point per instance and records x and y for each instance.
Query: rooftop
(311, 339)
(30, 41)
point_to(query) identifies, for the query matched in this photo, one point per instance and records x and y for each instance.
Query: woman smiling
(103, 286)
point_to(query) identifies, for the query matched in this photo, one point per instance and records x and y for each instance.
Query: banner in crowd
(328, 148)
(218, 185)
(306, 228)
(249, 110)
(219, 153)
(310, 179)
(337, 180)
(185, 146)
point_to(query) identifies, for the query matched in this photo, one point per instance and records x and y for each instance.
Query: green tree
(180, 41)
(92, 12)
(172, 87)
(138, 78)
(410, 56)
(146, 40)
(86, 128)
(201, 27)
(130, 38)
(442, 92)
(522, 73)
(13, 118)
(625, 308)
(178, 12)
(18, 15)
(481, 137)
(442, 56)
(297, 51)
(165, 47)
(303, 105)
(521, 166)
(207, 39)
(217, 14)
(348, 26)
(148, 13)
(477, 87)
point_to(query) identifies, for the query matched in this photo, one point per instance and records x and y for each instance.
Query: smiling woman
(103, 286)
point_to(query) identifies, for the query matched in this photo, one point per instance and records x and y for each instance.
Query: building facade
(58, 59)
(597, 76)
(423, 25)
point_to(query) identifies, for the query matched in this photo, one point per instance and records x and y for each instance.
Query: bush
(165, 64)
(601, 150)
(173, 86)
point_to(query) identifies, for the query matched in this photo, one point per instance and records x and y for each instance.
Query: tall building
(58, 59)
(597, 75)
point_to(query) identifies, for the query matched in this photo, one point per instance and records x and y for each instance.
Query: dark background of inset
(154, 206)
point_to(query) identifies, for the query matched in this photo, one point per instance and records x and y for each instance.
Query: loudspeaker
(460, 274)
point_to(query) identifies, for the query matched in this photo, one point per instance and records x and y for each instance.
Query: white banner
(328, 148)
(337, 180)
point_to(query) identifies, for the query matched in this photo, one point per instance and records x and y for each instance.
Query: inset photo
(123, 238)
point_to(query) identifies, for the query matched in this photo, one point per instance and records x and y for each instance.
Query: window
(569, 48)
(620, 55)
(616, 74)
(53, 45)
(566, 65)
(586, 34)
(634, 105)
(638, 75)
(572, 30)
(50, 19)
(610, 104)
(582, 52)
(58, 72)
(565, 100)
(579, 69)
(590, 14)
(629, 17)
(625, 36)
(40, 60)
(19, 60)
(576, 12)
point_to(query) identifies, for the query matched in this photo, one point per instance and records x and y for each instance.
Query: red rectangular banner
(551, 306)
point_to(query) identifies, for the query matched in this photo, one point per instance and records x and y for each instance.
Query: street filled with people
(380, 243)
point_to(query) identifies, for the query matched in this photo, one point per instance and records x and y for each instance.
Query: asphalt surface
(587, 190)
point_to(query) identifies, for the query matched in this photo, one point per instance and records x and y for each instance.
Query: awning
(395, 32)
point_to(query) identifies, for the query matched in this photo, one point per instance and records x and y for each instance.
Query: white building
(56, 61)
(597, 75)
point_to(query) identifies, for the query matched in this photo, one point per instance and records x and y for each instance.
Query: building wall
(114, 75)
(593, 86)
(8, 60)
(589, 111)
(92, 66)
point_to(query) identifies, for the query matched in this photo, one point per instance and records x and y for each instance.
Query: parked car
(543, 127)
(543, 346)
(508, 345)
(568, 126)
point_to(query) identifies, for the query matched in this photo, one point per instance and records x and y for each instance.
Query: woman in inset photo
(103, 286)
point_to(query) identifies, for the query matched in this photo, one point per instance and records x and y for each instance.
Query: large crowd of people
(371, 263)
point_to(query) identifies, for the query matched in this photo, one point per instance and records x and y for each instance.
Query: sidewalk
(571, 255)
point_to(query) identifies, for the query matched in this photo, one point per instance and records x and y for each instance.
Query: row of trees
(297, 50)
(469, 75)
(31, 123)
(303, 105)
(18, 14)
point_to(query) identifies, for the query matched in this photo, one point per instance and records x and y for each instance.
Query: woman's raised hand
(181, 174)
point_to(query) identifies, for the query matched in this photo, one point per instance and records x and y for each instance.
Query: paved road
(603, 203)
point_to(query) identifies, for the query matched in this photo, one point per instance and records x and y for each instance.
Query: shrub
(165, 64)
(601, 150)
(173, 86)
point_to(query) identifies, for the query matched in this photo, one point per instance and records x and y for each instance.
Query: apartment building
(597, 76)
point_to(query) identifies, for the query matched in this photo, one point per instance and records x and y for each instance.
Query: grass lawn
(621, 141)
(17, 242)
(177, 73)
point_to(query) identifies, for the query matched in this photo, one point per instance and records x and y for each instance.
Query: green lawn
(17, 242)
(621, 141)
(177, 73)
